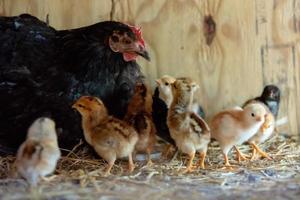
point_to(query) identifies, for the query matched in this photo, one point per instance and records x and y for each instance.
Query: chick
(38, 155)
(235, 126)
(271, 97)
(162, 100)
(110, 137)
(190, 132)
(264, 133)
(139, 116)
(164, 91)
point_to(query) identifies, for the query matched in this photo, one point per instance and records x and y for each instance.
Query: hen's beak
(144, 54)
(140, 49)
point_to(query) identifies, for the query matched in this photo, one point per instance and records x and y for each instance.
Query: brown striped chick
(235, 126)
(139, 115)
(263, 134)
(110, 137)
(165, 92)
(38, 155)
(190, 132)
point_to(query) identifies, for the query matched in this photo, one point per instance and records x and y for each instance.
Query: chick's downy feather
(38, 155)
(110, 137)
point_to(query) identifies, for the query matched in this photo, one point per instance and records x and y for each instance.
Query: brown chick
(38, 155)
(235, 126)
(110, 137)
(139, 115)
(263, 134)
(190, 132)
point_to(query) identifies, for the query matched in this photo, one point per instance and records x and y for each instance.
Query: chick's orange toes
(108, 169)
(261, 152)
(253, 156)
(201, 163)
(240, 156)
(189, 166)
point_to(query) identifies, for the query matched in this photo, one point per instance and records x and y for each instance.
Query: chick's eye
(252, 114)
(166, 84)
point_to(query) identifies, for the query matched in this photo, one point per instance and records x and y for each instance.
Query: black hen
(43, 71)
(270, 97)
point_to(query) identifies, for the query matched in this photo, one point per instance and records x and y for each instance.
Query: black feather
(159, 115)
(270, 97)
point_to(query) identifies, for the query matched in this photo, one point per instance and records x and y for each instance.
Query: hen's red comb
(138, 33)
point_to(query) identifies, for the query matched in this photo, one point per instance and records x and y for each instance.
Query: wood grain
(256, 43)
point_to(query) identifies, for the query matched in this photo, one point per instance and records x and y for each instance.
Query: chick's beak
(74, 106)
(157, 81)
(258, 119)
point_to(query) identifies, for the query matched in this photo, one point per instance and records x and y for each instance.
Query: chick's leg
(108, 168)
(253, 154)
(240, 155)
(167, 150)
(149, 161)
(130, 163)
(201, 163)
(227, 164)
(189, 166)
(261, 152)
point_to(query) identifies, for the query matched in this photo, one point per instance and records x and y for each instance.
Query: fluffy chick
(190, 131)
(165, 93)
(264, 133)
(270, 97)
(139, 116)
(110, 137)
(165, 89)
(38, 155)
(236, 126)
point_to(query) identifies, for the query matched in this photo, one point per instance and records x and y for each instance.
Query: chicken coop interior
(218, 56)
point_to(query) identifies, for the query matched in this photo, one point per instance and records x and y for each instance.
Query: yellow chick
(263, 134)
(139, 115)
(165, 89)
(236, 126)
(190, 132)
(110, 137)
(38, 155)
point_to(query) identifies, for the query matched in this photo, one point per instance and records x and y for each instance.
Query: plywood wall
(256, 43)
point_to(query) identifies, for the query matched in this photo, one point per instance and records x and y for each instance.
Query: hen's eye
(115, 38)
(127, 41)
(252, 114)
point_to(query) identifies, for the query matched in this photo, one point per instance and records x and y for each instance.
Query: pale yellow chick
(38, 155)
